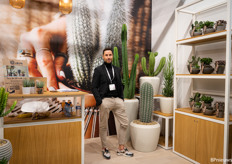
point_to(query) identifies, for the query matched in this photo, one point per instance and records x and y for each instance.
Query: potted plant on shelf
(5, 145)
(131, 103)
(197, 107)
(32, 84)
(219, 107)
(145, 132)
(207, 100)
(26, 89)
(220, 66)
(196, 28)
(194, 99)
(151, 73)
(193, 66)
(39, 87)
(205, 66)
(166, 103)
(208, 27)
(220, 25)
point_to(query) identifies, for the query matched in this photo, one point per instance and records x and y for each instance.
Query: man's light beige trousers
(116, 105)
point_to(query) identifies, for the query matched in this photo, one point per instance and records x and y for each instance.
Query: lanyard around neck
(109, 73)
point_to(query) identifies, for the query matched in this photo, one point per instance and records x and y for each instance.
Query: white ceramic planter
(166, 104)
(26, 90)
(1, 127)
(144, 138)
(33, 91)
(154, 81)
(132, 106)
(5, 149)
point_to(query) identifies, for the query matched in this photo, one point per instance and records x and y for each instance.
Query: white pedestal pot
(154, 81)
(166, 104)
(131, 106)
(5, 149)
(144, 138)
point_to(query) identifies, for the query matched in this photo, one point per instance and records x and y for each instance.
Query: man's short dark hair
(107, 49)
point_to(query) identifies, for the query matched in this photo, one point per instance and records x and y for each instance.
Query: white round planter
(144, 138)
(132, 106)
(154, 81)
(26, 90)
(166, 104)
(5, 149)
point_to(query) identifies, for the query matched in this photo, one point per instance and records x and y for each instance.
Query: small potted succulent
(197, 107)
(39, 87)
(194, 99)
(26, 89)
(206, 100)
(196, 28)
(208, 27)
(193, 66)
(220, 66)
(220, 25)
(205, 66)
(208, 110)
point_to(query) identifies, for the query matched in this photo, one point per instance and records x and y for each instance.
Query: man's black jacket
(101, 81)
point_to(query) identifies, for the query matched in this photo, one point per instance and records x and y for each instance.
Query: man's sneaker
(106, 153)
(125, 152)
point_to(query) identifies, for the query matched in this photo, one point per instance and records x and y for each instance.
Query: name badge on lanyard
(111, 86)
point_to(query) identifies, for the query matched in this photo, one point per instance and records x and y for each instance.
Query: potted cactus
(196, 28)
(151, 73)
(26, 89)
(166, 103)
(193, 66)
(5, 145)
(131, 104)
(208, 27)
(220, 25)
(145, 132)
(220, 66)
(205, 66)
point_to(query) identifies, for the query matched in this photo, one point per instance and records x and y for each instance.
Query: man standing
(107, 89)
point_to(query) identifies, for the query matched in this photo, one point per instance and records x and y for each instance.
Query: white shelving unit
(194, 9)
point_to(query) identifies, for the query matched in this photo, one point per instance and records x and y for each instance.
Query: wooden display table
(56, 139)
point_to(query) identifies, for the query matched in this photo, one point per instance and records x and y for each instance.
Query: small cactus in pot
(197, 107)
(208, 27)
(193, 66)
(206, 101)
(39, 87)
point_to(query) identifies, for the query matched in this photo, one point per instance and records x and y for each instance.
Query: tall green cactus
(151, 71)
(128, 81)
(146, 102)
(3, 102)
(115, 61)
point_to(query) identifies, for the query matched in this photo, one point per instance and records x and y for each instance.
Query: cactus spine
(115, 61)
(151, 71)
(3, 102)
(129, 82)
(146, 102)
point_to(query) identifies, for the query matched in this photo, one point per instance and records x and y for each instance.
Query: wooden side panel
(209, 141)
(185, 138)
(46, 144)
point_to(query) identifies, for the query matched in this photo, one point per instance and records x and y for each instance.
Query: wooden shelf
(162, 114)
(202, 76)
(52, 117)
(189, 111)
(48, 94)
(202, 39)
